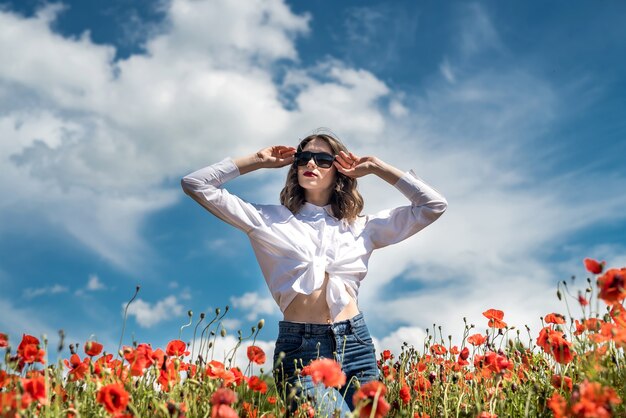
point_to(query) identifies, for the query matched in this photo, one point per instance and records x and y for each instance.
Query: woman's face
(313, 178)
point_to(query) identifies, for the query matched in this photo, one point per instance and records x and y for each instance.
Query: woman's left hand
(352, 165)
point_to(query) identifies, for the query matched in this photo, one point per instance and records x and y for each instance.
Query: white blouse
(295, 251)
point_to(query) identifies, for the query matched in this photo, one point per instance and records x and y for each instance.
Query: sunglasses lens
(302, 158)
(322, 159)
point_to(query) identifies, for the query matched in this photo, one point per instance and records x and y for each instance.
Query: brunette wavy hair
(345, 201)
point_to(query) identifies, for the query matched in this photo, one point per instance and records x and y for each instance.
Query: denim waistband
(341, 327)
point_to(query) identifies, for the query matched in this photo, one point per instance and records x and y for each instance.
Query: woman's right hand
(276, 156)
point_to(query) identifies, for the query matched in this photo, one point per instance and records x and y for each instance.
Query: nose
(311, 163)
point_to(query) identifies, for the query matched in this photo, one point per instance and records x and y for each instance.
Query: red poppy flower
(256, 354)
(438, 349)
(495, 318)
(554, 318)
(476, 339)
(139, 358)
(36, 388)
(405, 394)
(158, 356)
(238, 376)
(611, 286)
(217, 370)
(387, 355)
(252, 412)
(93, 348)
(594, 400)
(4, 340)
(618, 314)
(11, 402)
(223, 411)
(553, 342)
(593, 266)
(421, 384)
(176, 348)
(364, 400)
(328, 372)
(114, 397)
(168, 375)
(559, 382)
(257, 384)
(593, 324)
(223, 396)
(558, 405)
(496, 362)
(29, 352)
(78, 369)
(464, 353)
(582, 300)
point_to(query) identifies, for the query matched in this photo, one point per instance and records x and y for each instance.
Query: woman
(314, 248)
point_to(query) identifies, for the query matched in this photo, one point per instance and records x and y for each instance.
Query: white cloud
(30, 293)
(231, 324)
(477, 31)
(413, 336)
(147, 315)
(90, 142)
(94, 283)
(93, 145)
(255, 304)
(446, 71)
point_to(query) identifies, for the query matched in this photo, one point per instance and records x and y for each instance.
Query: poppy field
(574, 367)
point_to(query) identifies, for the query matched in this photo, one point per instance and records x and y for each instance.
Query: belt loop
(351, 323)
(307, 330)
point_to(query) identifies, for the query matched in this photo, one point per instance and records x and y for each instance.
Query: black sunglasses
(322, 159)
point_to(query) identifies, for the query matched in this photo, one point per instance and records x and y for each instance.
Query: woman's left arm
(394, 225)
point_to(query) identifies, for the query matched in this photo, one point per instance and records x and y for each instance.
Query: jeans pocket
(362, 335)
(289, 344)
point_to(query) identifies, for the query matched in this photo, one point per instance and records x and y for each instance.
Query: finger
(339, 167)
(343, 159)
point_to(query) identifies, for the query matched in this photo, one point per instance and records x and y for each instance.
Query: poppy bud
(61, 340)
(217, 311)
(202, 315)
(190, 313)
(261, 324)
(223, 332)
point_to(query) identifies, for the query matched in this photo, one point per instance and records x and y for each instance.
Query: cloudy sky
(514, 111)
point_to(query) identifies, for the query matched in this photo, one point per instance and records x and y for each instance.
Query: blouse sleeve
(394, 225)
(205, 187)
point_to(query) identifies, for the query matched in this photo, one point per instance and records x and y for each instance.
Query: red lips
(309, 174)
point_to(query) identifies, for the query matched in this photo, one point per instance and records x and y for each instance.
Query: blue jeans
(348, 342)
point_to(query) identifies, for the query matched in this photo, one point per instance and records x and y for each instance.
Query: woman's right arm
(205, 185)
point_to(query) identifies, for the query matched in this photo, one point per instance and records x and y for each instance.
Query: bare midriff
(313, 308)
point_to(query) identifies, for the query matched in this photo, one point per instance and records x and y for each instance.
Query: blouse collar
(312, 210)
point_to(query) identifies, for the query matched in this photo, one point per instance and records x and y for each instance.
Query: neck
(317, 197)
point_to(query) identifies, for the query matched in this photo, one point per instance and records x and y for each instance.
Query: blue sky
(514, 111)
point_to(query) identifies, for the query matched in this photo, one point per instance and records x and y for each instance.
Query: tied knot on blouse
(295, 252)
